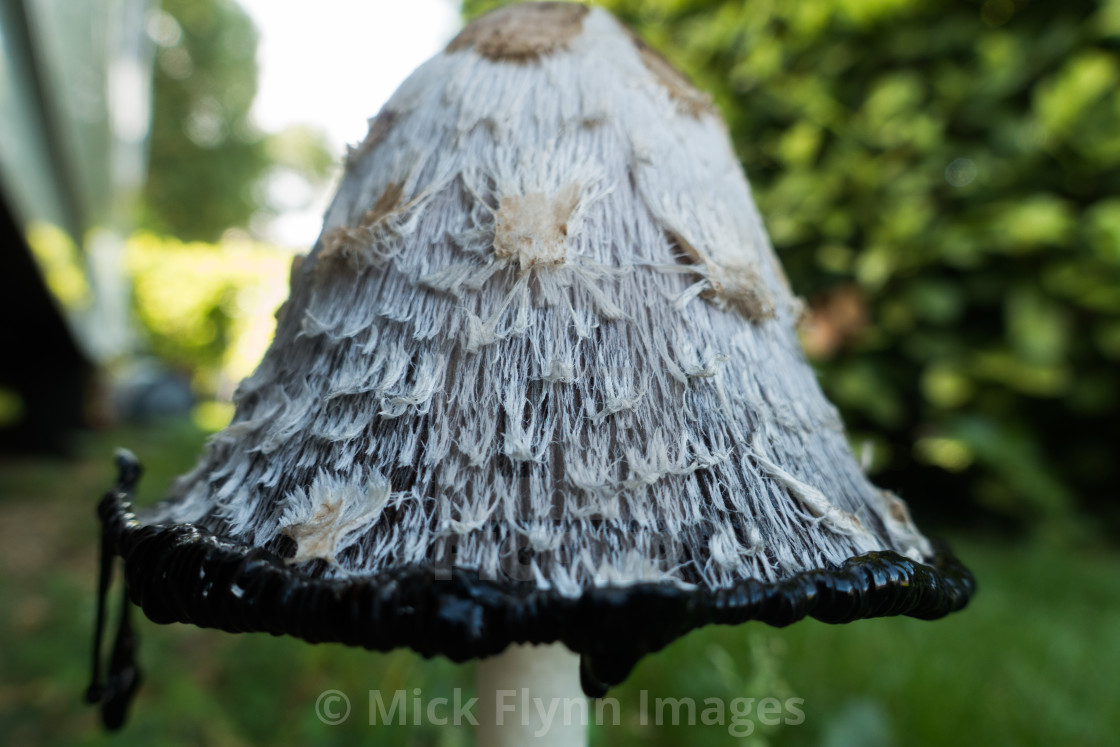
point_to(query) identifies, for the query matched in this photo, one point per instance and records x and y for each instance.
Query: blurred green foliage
(953, 166)
(205, 299)
(207, 308)
(207, 160)
(205, 155)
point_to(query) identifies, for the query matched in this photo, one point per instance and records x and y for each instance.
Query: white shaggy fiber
(543, 336)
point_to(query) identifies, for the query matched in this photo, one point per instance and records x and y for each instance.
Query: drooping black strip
(183, 573)
(115, 693)
(96, 688)
(124, 677)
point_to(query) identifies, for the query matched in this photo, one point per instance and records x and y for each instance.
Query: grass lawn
(1034, 659)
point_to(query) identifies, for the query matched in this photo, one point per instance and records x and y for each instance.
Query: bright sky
(332, 64)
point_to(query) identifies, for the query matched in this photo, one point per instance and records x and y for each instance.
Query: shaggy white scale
(543, 336)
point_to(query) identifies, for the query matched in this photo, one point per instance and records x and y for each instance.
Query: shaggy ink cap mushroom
(538, 381)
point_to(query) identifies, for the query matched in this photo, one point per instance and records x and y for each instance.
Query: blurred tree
(206, 158)
(208, 164)
(939, 177)
(197, 290)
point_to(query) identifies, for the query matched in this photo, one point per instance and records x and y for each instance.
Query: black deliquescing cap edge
(184, 573)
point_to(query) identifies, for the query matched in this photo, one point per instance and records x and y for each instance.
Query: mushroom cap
(537, 381)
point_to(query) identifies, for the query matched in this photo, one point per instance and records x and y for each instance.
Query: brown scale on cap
(379, 127)
(346, 242)
(688, 99)
(737, 287)
(317, 537)
(899, 511)
(531, 229)
(385, 204)
(338, 243)
(522, 33)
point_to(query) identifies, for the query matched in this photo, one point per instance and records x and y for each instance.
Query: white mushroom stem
(531, 695)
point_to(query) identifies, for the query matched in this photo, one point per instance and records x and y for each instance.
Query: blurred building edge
(75, 102)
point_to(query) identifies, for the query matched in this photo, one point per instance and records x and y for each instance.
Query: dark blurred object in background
(147, 391)
(44, 372)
